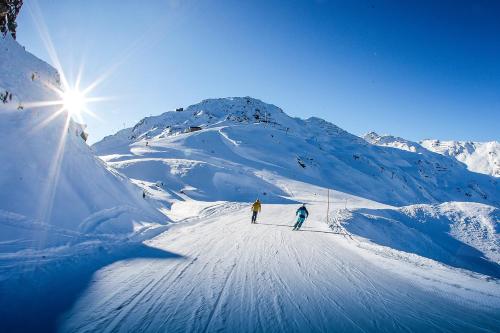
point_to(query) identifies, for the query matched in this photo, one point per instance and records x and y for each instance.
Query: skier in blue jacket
(302, 214)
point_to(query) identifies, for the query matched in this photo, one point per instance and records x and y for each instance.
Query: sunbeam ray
(47, 120)
(41, 104)
(49, 192)
(36, 15)
(92, 114)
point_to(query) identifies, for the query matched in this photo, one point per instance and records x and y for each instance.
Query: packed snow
(214, 271)
(155, 234)
(236, 277)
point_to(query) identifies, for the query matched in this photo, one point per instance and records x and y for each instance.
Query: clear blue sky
(416, 69)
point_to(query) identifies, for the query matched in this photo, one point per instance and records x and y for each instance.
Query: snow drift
(459, 234)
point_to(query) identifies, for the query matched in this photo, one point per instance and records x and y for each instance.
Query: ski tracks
(239, 277)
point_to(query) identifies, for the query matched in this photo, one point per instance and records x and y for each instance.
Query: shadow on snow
(430, 238)
(37, 294)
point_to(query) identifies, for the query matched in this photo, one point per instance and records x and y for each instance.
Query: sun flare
(73, 102)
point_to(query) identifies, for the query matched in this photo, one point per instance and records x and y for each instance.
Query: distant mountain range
(482, 157)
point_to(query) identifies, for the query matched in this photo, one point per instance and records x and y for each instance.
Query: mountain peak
(392, 141)
(208, 113)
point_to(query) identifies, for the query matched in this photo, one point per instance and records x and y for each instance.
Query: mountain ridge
(482, 157)
(312, 150)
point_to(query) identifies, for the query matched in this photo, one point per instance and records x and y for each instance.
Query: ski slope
(213, 271)
(236, 277)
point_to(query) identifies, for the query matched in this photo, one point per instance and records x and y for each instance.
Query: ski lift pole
(328, 206)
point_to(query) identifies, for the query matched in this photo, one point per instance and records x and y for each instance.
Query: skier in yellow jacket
(255, 210)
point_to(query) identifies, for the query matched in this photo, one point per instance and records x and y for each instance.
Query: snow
(409, 231)
(393, 141)
(483, 157)
(399, 238)
(54, 190)
(239, 155)
(217, 272)
(463, 235)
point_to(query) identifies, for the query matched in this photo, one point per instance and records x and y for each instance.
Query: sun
(73, 101)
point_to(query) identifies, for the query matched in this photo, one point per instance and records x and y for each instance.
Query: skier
(302, 214)
(255, 210)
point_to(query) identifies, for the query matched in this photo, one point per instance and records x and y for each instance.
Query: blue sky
(416, 69)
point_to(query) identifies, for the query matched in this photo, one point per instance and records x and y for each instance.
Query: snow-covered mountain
(54, 191)
(482, 157)
(405, 228)
(240, 148)
(237, 149)
(393, 141)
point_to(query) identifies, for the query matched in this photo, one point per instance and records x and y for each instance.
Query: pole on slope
(328, 206)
